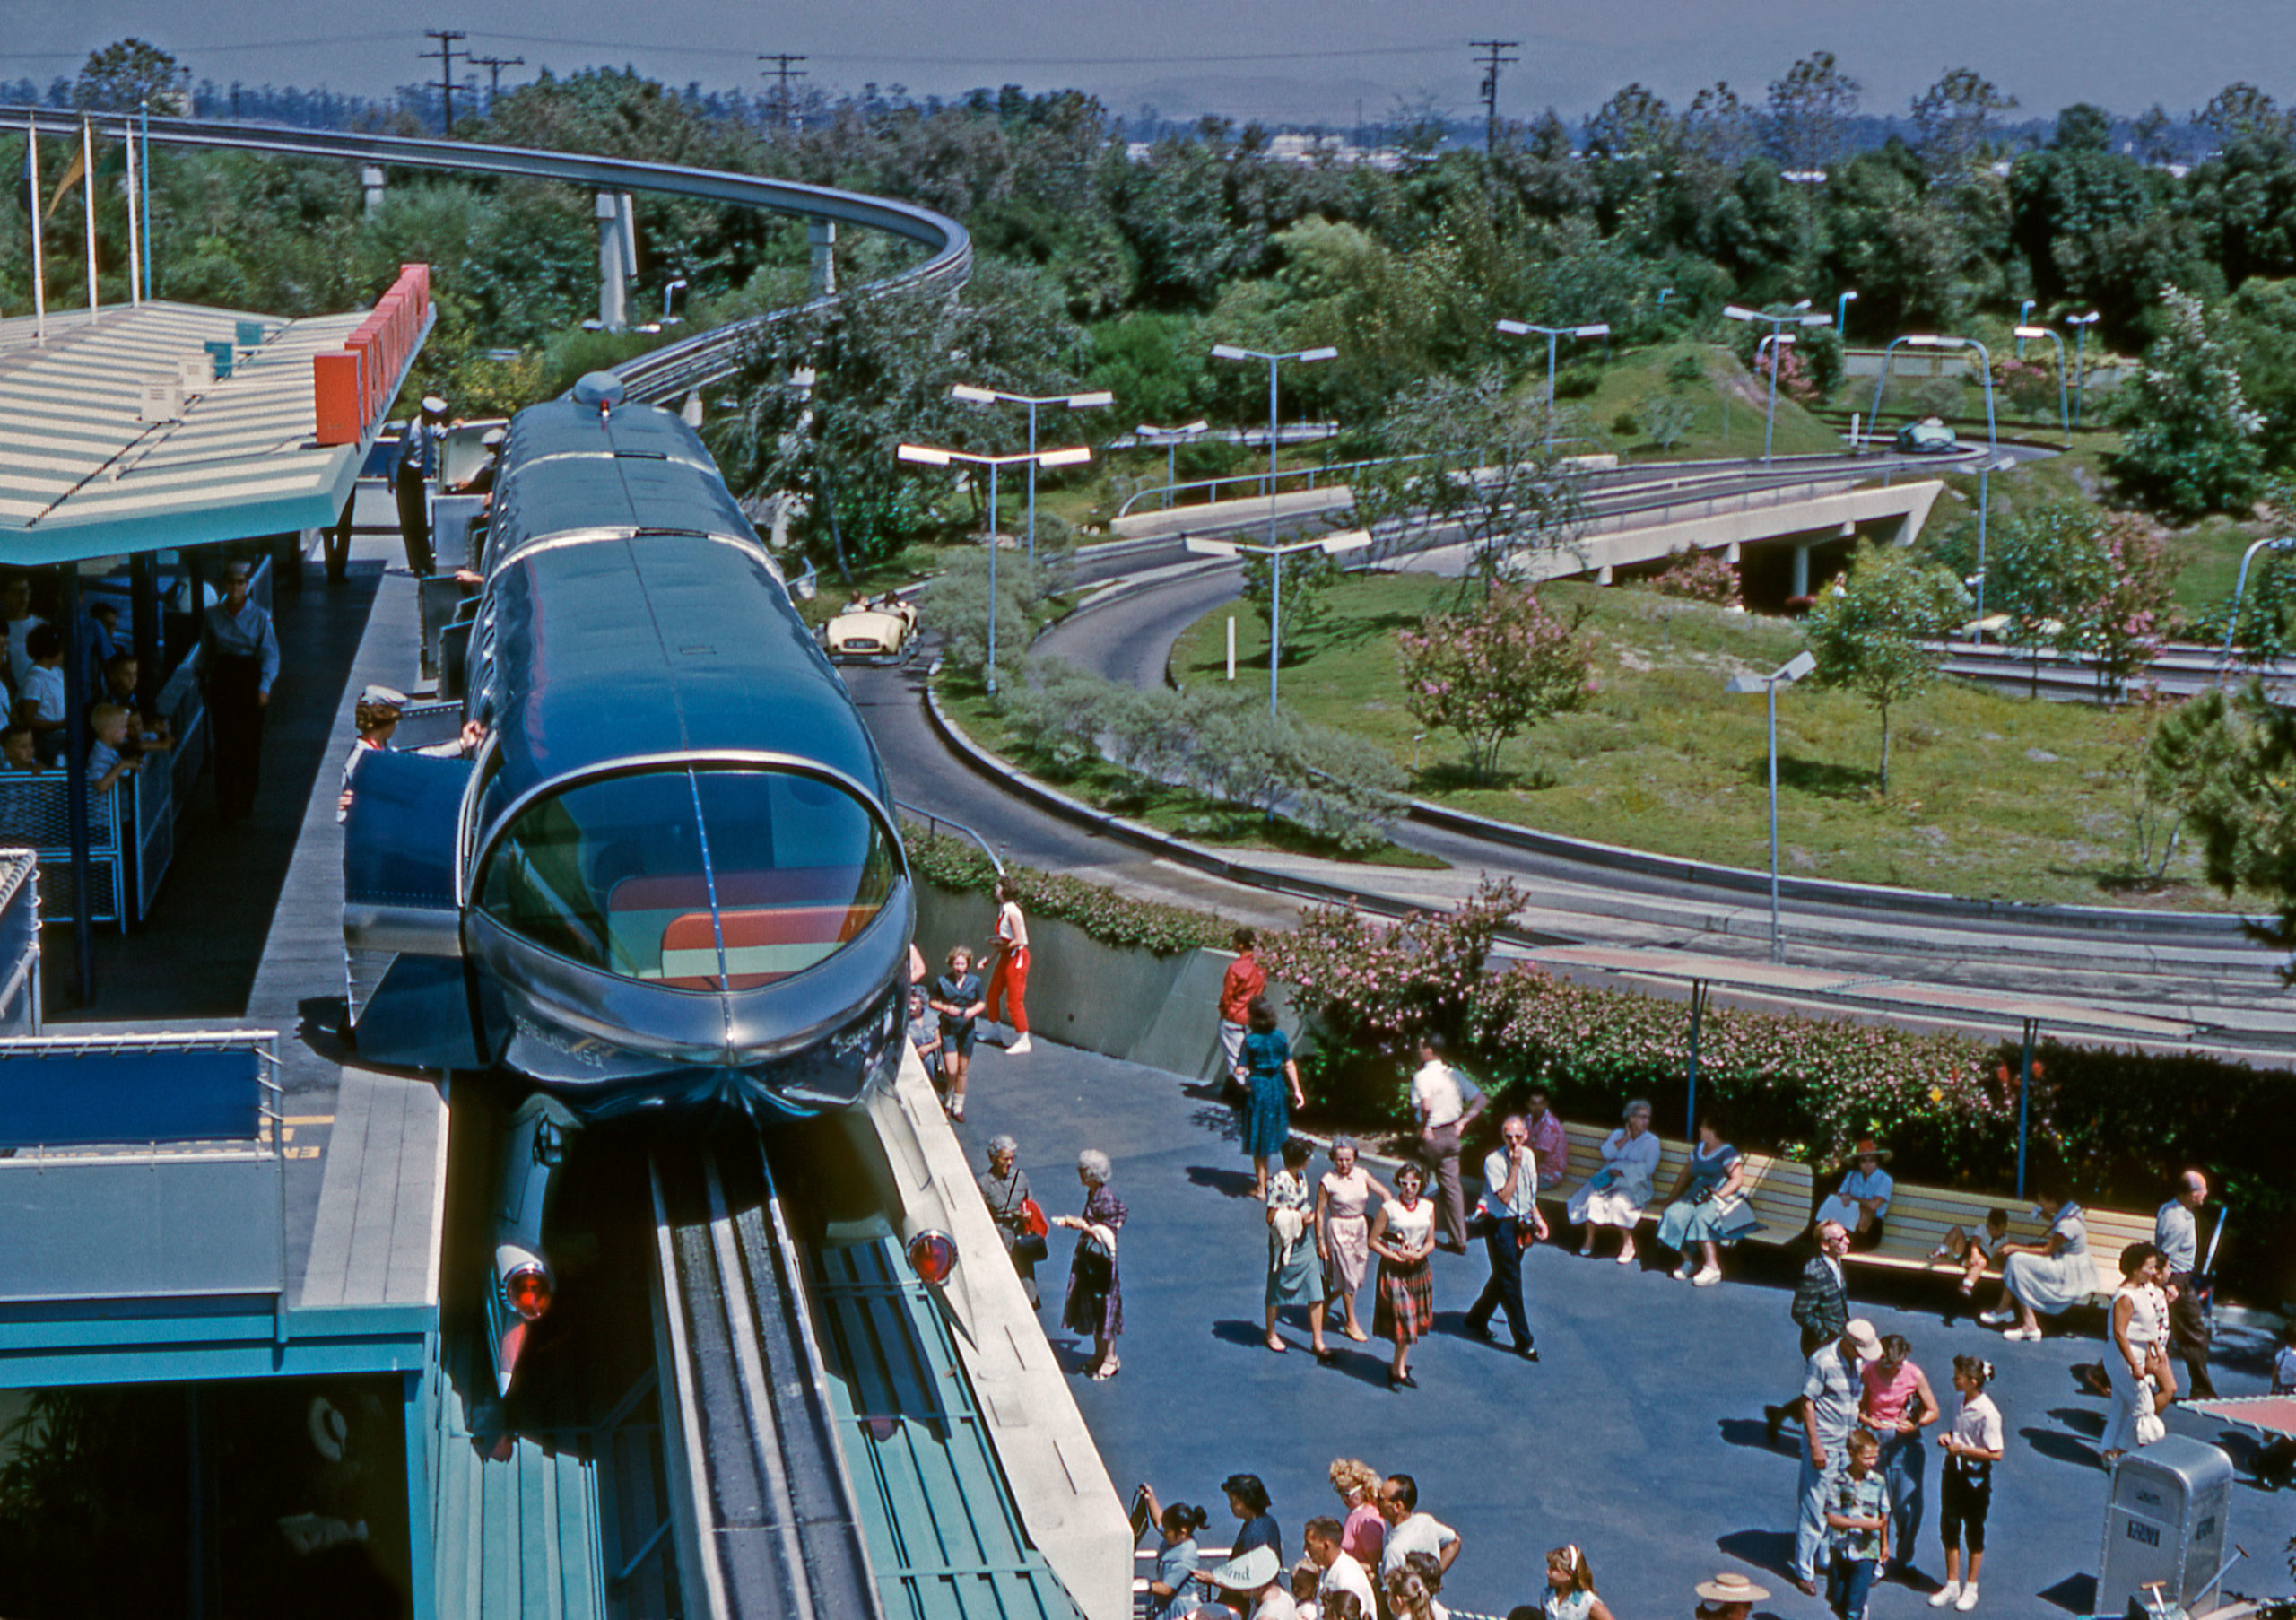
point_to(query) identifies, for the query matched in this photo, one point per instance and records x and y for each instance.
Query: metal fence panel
(128, 1228)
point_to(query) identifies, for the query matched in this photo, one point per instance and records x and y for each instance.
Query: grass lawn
(1728, 407)
(1167, 809)
(1992, 796)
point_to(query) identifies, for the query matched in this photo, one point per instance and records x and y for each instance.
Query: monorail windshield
(701, 879)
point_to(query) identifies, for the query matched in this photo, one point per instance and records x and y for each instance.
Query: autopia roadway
(2192, 967)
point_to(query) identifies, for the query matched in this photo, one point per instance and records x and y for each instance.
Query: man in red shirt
(1244, 981)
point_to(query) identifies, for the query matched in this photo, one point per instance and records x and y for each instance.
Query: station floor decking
(1639, 1436)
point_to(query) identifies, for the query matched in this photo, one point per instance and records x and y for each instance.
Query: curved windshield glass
(697, 880)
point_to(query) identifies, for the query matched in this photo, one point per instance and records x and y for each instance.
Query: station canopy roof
(84, 475)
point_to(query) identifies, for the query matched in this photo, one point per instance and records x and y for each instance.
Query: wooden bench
(1920, 1216)
(1779, 1190)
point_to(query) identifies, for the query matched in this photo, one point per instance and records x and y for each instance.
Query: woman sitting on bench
(2050, 1277)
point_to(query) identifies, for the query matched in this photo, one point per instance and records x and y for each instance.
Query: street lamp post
(2024, 319)
(1784, 675)
(1554, 335)
(925, 455)
(2081, 324)
(1309, 356)
(1841, 313)
(1992, 464)
(1172, 439)
(1796, 317)
(2282, 545)
(1074, 402)
(1330, 545)
(2063, 417)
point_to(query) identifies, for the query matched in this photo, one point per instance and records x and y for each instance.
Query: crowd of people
(958, 1008)
(1869, 1414)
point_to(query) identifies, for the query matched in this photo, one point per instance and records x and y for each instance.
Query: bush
(1055, 714)
(1697, 577)
(1626, 424)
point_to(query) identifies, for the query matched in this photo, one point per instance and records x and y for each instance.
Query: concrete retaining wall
(1119, 1001)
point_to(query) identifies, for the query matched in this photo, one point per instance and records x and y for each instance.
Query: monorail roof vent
(601, 390)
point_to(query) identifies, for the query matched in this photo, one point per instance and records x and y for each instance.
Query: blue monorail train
(670, 876)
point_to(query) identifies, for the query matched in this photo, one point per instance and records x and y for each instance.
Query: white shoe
(1683, 1272)
(1967, 1599)
(1945, 1594)
(1017, 1047)
(1707, 1278)
(2023, 1335)
(1995, 1318)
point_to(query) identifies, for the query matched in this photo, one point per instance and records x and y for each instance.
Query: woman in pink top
(1364, 1534)
(1897, 1406)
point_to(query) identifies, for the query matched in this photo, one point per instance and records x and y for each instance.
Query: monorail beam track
(765, 1515)
(661, 374)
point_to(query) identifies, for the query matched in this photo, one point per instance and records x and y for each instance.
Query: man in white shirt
(1341, 1573)
(1409, 1530)
(1510, 1199)
(2176, 1234)
(1448, 1104)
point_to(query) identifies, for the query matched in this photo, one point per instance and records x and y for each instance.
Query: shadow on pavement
(2059, 1447)
(2077, 1593)
(1750, 1432)
(1770, 1550)
(1233, 1183)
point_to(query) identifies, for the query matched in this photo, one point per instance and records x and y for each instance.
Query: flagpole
(88, 196)
(40, 268)
(134, 241)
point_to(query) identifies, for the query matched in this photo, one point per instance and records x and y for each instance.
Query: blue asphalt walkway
(1639, 1436)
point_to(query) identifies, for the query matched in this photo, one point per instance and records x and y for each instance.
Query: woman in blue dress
(1271, 1082)
(1708, 1207)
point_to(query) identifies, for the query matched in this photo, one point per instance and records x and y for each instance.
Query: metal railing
(934, 822)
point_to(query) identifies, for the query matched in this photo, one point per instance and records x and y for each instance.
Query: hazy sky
(1285, 59)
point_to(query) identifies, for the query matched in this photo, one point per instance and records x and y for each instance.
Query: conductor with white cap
(412, 471)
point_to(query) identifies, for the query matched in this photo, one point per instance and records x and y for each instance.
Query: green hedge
(1112, 918)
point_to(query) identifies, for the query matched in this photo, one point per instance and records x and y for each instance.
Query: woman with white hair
(1614, 1195)
(1095, 1303)
(1004, 1187)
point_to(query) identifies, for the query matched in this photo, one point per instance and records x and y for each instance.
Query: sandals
(1277, 1345)
(1357, 1334)
(1326, 1355)
(1107, 1369)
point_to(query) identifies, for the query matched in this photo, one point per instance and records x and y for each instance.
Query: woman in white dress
(2048, 1280)
(1343, 1229)
(1614, 1195)
(2139, 1330)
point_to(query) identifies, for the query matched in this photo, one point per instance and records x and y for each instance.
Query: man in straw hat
(1729, 1595)
(1863, 1198)
(412, 471)
(1830, 1390)
(1253, 1584)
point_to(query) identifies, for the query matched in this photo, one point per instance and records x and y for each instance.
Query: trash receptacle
(2164, 1521)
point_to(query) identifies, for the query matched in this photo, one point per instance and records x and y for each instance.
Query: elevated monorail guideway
(660, 374)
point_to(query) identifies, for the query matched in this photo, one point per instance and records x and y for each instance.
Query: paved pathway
(1639, 1436)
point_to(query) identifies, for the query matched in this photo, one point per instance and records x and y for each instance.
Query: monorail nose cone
(601, 389)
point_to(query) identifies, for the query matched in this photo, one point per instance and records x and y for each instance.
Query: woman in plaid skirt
(1403, 1235)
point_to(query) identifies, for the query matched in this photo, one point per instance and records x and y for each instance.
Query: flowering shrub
(1493, 672)
(1699, 577)
(1794, 376)
(1112, 918)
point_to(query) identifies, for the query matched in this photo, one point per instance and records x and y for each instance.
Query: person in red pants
(1008, 979)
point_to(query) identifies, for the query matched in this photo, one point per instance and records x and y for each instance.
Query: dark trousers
(2189, 1331)
(235, 712)
(1504, 1291)
(414, 524)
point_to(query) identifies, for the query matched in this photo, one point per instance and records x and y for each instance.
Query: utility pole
(782, 72)
(494, 66)
(1494, 57)
(445, 58)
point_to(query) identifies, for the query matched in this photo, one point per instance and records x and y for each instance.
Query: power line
(445, 58)
(494, 66)
(1493, 59)
(782, 71)
(869, 58)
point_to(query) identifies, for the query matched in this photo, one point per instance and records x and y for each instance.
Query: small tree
(1879, 633)
(2192, 445)
(2084, 583)
(1307, 576)
(2239, 752)
(1493, 672)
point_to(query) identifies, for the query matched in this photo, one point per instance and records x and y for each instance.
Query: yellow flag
(72, 175)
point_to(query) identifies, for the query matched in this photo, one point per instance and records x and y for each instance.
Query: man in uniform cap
(412, 471)
(238, 662)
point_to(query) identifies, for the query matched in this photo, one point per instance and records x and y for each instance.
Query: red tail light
(527, 1291)
(932, 1256)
